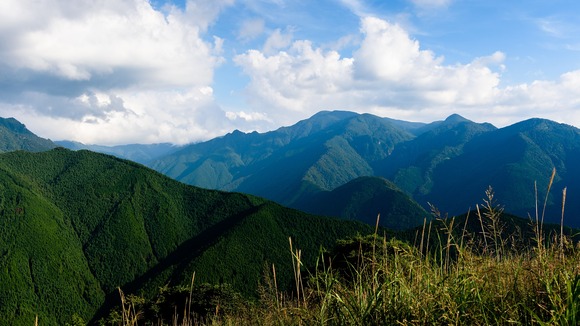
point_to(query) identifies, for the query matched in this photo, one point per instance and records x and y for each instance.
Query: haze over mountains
(140, 153)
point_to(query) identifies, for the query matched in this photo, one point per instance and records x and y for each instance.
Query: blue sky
(138, 71)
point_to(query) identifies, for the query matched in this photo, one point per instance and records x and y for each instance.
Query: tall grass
(452, 276)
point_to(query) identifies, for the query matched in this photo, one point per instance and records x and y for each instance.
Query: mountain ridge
(15, 136)
(77, 224)
(447, 163)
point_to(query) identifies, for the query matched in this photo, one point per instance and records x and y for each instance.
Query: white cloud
(391, 75)
(135, 40)
(127, 117)
(203, 13)
(250, 29)
(118, 71)
(249, 117)
(557, 27)
(389, 72)
(72, 69)
(295, 83)
(356, 6)
(277, 40)
(387, 52)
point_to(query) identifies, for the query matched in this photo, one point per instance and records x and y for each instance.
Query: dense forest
(77, 225)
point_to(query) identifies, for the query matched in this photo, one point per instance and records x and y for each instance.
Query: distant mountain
(363, 199)
(292, 163)
(14, 136)
(308, 150)
(512, 160)
(413, 164)
(140, 153)
(448, 163)
(76, 225)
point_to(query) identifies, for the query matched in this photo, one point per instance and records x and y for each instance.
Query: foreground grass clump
(452, 275)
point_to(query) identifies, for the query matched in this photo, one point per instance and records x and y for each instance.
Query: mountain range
(75, 225)
(448, 163)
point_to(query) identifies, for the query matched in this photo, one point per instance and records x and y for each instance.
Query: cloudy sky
(147, 71)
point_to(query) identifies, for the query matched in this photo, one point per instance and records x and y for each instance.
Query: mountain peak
(15, 136)
(456, 118)
(14, 125)
(337, 114)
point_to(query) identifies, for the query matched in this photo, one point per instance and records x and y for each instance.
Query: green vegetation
(75, 226)
(291, 164)
(43, 271)
(363, 199)
(445, 162)
(78, 230)
(454, 273)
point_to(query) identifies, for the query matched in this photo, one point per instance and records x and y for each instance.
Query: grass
(451, 275)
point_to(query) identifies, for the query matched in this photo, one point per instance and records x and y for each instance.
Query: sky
(115, 72)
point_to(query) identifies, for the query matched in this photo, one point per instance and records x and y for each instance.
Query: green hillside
(43, 270)
(76, 225)
(366, 197)
(413, 164)
(14, 136)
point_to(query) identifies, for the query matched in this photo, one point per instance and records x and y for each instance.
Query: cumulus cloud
(390, 75)
(177, 116)
(203, 13)
(113, 64)
(250, 29)
(277, 40)
(126, 37)
(249, 117)
(119, 71)
(388, 72)
(292, 83)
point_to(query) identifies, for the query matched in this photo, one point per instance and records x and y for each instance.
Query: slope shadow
(177, 260)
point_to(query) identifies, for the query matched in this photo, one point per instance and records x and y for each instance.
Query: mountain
(512, 160)
(290, 164)
(140, 153)
(448, 163)
(412, 164)
(75, 225)
(14, 136)
(309, 151)
(363, 199)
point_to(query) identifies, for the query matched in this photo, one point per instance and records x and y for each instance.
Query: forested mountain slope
(76, 225)
(513, 160)
(364, 199)
(447, 163)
